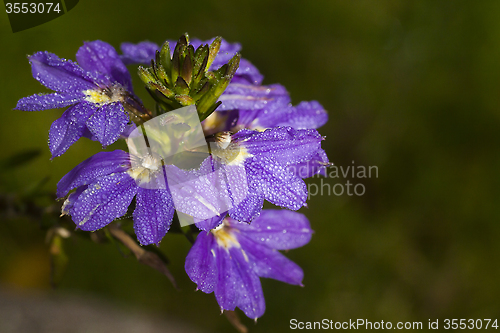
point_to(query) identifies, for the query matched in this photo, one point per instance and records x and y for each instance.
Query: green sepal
(166, 61)
(213, 50)
(184, 78)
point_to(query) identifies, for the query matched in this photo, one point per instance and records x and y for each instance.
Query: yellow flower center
(224, 235)
(115, 93)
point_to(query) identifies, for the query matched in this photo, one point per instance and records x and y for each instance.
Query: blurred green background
(412, 87)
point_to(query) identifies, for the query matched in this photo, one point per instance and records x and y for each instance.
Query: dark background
(411, 87)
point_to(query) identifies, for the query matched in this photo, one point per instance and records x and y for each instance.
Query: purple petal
(285, 144)
(316, 165)
(128, 130)
(227, 280)
(87, 134)
(100, 57)
(269, 263)
(124, 135)
(99, 165)
(238, 284)
(69, 128)
(48, 101)
(277, 229)
(305, 115)
(153, 215)
(241, 188)
(251, 97)
(247, 197)
(103, 201)
(200, 263)
(140, 53)
(251, 119)
(248, 209)
(279, 186)
(108, 122)
(209, 224)
(201, 193)
(247, 73)
(60, 74)
(70, 201)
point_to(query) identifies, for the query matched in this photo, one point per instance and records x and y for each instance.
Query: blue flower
(105, 186)
(230, 260)
(97, 89)
(267, 158)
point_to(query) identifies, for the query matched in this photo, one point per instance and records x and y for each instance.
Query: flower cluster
(257, 140)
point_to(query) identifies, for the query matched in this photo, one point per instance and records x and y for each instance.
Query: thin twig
(145, 257)
(235, 321)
